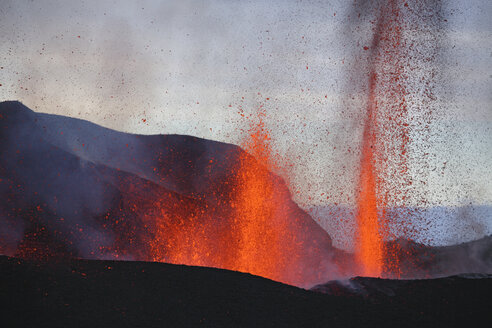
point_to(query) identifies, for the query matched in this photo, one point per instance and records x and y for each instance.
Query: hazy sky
(189, 67)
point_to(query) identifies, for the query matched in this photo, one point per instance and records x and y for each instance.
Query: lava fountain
(255, 206)
(369, 242)
(248, 230)
(385, 141)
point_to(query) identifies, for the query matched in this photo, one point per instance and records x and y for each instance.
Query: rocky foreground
(93, 293)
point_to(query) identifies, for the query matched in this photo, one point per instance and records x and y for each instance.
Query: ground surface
(82, 293)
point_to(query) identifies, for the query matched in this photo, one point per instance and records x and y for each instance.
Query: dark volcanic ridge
(72, 189)
(93, 293)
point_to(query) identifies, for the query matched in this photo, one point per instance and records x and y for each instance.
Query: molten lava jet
(369, 242)
(247, 231)
(263, 248)
(385, 142)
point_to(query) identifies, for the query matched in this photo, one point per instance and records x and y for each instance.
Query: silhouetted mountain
(70, 188)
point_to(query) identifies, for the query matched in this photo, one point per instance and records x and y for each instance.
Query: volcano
(70, 188)
(74, 194)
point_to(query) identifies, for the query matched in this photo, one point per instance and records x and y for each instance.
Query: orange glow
(259, 234)
(256, 238)
(383, 167)
(369, 242)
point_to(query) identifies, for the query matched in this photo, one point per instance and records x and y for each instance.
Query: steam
(179, 66)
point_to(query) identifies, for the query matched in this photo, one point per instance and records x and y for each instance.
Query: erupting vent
(385, 142)
(258, 239)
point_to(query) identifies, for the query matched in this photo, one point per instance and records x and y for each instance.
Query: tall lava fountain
(384, 63)
(384, 178)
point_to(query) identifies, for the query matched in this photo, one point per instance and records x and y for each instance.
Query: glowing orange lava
(260, 248)
(247, 230)
(383, 168)
(369, 242)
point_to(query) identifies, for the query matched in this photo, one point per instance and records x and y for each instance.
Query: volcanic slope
(93, 293)
(71, 188)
